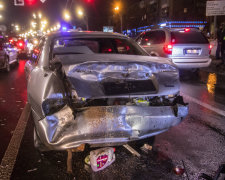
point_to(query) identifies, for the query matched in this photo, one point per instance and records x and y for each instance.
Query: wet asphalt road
(197, 143)
(13, 96)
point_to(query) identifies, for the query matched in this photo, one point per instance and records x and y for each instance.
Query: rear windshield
(67, 45)
(181, 37)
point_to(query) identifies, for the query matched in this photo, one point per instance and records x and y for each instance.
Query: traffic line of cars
(12, 49)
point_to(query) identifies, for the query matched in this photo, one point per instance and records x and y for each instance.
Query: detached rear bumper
(186, 63)
(105, 125)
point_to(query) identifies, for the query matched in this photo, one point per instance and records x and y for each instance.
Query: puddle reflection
(211, 82)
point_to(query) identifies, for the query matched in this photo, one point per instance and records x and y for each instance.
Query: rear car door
(189, 44)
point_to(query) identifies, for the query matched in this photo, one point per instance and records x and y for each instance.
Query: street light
(34, 16)
(81, 14)
(66, 15)
(39, 15)
(1, 16)
(117, 9)
(1, 6)
(33, 24)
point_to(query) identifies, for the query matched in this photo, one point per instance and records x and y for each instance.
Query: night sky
(99, 11)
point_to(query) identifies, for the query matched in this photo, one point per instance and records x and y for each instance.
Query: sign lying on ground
(215, 8)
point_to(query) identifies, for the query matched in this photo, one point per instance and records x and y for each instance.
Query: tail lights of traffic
(20, 44)
(168, 48)
(187, 30)
(210, 48)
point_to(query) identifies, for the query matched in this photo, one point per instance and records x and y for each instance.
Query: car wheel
(7, 68)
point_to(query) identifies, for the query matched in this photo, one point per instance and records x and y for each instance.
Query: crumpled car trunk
(110, 102)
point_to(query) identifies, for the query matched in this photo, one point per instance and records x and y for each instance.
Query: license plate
(192, 51)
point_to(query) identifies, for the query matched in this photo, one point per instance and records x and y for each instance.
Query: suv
(187, 48)
(8, 54)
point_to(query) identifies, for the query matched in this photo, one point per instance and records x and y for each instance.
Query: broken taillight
(168, 48)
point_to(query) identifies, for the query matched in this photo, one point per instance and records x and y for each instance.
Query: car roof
(86, 34)
(173, 29)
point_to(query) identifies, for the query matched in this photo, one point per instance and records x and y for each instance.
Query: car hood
(79, 58)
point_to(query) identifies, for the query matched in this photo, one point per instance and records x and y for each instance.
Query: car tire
(7, 68)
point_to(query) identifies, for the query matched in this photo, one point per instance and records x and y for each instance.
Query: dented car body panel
(100, 99)
(106, 125)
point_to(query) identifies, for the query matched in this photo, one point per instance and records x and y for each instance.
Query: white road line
(10, 155)
(218, 111)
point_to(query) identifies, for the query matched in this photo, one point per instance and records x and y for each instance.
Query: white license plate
(192, 51)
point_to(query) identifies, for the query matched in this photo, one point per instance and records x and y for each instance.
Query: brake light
(36, 51)
(210, 48)
(187, 30)
(11, 40)
(168, 48)
(20, 44)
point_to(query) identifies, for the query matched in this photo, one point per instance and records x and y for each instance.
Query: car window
(153, 37)
(96, 45)
(192, 37)
(37, 51)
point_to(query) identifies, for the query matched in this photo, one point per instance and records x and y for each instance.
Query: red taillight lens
(210, 48)
(20, 44)
(36, 51)
(11, 41)
(168, 49)
(186, 30)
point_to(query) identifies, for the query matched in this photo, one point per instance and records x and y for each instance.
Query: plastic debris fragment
(101, 158)
(146, 148)
(133, 151)
(31, 170)
(87, 160)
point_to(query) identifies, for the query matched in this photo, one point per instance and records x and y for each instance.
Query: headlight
(166, 68)
(53, 104)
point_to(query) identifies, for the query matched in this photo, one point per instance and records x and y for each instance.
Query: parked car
(99, 89)
(8, 54)
(186, 47)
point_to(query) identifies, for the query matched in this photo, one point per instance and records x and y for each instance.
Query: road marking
(9, 159)
(218, 111)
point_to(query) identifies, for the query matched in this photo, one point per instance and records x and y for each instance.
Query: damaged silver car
(99, 89)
